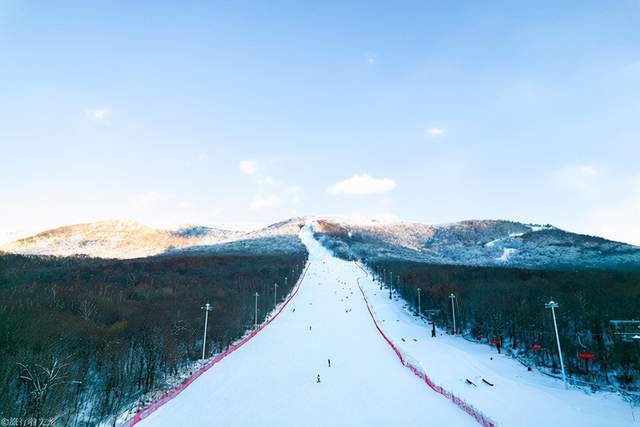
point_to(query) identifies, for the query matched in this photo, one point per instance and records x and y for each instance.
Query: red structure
(586, 357)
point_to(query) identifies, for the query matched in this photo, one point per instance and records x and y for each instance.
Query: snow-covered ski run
(282, 376)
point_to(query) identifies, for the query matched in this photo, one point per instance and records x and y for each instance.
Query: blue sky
(204, 112)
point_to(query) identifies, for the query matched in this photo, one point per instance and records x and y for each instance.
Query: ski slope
(271, 381)
(517, 398)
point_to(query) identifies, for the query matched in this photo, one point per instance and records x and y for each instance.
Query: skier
(329, 361)
(318, 379)
(433, 329)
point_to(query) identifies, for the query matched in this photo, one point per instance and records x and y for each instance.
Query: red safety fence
(154, 406)
(467, 407)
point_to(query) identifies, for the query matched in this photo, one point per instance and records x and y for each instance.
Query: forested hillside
(82, 338)
(506, 306)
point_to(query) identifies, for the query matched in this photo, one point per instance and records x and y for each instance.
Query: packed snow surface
(272, 380)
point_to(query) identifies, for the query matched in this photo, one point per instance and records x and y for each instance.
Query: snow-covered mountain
(129, 239)
(281, 237)
(476, 242)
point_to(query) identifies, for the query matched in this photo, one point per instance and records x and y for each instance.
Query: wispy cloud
(362, 184)
(370, 58)
(266, 180)
(100, 115)
(435, 132)
(248, 166)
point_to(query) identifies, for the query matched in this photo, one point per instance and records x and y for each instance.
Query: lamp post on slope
(419, 306)
(275, 292)
(553, 305)
(453, 311)
(207, 308)
(255, 323)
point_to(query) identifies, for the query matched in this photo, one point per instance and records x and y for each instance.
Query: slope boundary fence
(481, 418)
(171, 394)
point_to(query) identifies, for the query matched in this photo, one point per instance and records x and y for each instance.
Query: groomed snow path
(271, 381)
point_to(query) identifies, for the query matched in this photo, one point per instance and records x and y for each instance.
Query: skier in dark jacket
(318, 379)
(329, 362)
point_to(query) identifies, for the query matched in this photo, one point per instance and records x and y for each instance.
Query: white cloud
(260, 202)
(362, 184)
(581, 179)
(266, 180)
(248, 166)
(370, 58)
(435, 132)
(97, 115)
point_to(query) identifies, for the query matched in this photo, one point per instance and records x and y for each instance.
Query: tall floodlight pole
(390, 283)
(553, 305)
(255, 323)
(275, 291)
(453, 311)
(285, 282)
(419, 306)
(207, 308)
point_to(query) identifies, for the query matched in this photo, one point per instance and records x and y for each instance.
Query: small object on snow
(318, 379)
(487, 382)
(329, 361)
(415, 340)
(403, 340)
(468, 381)
(491, 358)
(294, 310)
(529, 368)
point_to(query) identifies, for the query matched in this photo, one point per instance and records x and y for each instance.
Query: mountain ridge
(500, 243)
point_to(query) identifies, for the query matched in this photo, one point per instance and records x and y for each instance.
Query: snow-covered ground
(518, 397)
(272, 380)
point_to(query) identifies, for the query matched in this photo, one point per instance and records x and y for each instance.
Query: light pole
(275, 291)
(453, 310)
(419, 306)
(390, 283)
(207, 308)
(553, 305)
(255, 323)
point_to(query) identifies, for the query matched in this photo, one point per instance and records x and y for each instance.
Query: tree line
(506, 307)
(82, 338)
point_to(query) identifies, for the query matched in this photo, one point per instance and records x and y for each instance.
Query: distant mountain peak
(478, 242)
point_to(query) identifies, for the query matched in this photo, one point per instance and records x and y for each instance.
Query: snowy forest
(82, 338)
(505, 307)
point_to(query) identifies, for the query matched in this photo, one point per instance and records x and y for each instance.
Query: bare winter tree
(87, 309)
(42, 379)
